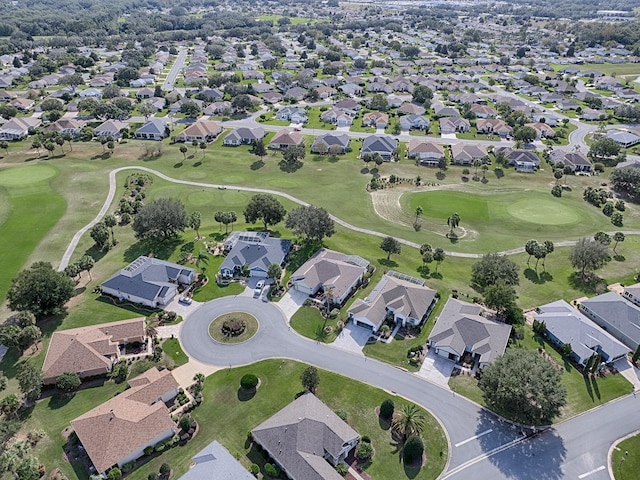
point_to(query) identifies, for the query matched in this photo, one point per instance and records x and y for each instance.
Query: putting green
(199, 199)
(543, 212)
(18, 176)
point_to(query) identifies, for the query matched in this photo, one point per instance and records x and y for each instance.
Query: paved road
(482, 447)
(177, 66)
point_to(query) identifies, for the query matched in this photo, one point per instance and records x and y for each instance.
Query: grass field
(227, 416)
(308, 322)
(625, 459)
(171, 346)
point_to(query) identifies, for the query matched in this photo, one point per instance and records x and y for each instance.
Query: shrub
(185, 423)
(160, 447)
(127, 467)
(255, 469)
(341, 414)
(342, 468)
(556, 191)
(152, 476)
(364, 451)
(271, 469)
(114, 474)
(148, 450)
(413, 449)
(165, 469)
(387, 408)
(365, 439)
(249, 381)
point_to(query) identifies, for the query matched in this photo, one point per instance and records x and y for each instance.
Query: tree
(626, 180)
(566, 349)
(493, 267)
(530, 249)
(37, 145)
(160, 219)
(115, 474)
(499, 296)
(588, 255)
(453, 221)
(413, 449)
(259, 149)
(274, 271)
(110, 222)
(387, 408)
(409, 421)
(438, 257)
(602, 237)
(390, 245)
(100, 234)
(147, 110)
(28, 468)
(617, 237)
(40, 290)
(10, 405)
(265, 208)
(524, 386)
(314, 223)
(636, 355)
(310, 379)
(422, 95)
(30, 381)
(379, 102)
(50, 147)
(525, 134)
(72, 81)
(190, 109)
(203, 147)
(3, 381)
(86, 263)
(195, 219)
(549, 247)
(294, 154)
(202, 259)
(68, 382)
(242, 103)
(603, 149)
(419, 212)
(183, 151)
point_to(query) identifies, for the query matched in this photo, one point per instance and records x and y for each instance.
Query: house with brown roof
(285, 139)
(427, 153)
(201, 131)
(89, 351)
(411, 109)
(117, 431)
(18, 127)
(306, 439)
(466, 154)
(542, 130)
(405, 299)
(494, 125)
(375, 119)
(63, 125)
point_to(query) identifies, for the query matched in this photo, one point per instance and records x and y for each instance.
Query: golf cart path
(64, 262)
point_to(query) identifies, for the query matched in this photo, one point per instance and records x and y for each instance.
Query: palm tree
(453, 221)
(548, 246)
(183, 151)
(410, 421)
(617, 237)
(419, 212)
(328, 297)
(110, 221)
(202, 259)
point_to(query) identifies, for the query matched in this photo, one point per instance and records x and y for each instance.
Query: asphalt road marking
(484, 456)
(595, 470)
(459, 444)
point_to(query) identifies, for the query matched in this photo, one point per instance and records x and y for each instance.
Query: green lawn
(625, 459)
(212, 290)
(308, 322)
(226, 415)
(172, 347)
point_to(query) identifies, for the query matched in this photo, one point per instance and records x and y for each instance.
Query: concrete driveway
(353, 338)
(290, 302)
(436, 369)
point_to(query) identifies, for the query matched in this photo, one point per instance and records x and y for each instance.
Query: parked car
(185, 300)
(258, 290)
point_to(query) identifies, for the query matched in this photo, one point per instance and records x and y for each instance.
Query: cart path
(64, 262)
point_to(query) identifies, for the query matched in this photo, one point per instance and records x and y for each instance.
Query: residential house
(543, 130)
(5, 96)
(522, 160)
(375, 119)
(622, 138)
(244, 136)
(18, 127)
(442, 110)
(110, 128)
(201, 131)
(451, 125)
(154, 129)
(339, 117)
(411, 109)
(285, 139)
(567, 104)
(219, 108)
(495, 126)
(577, 161)
(296, 93)
(617, 315)
(69, 126)
(463, 154)
(117, 431)
(632, 293)
(591, 114)
(145, 92)
(351, 89)
(330, 142)
(461, 330)
(91, 93)
(326, 270)
(22, 104)
(566, 325)
(148, 281)
(214, 462)
(426, 153)
(255, 251)
(292, 114)
(306, 439)
(348, 104)
(483, 111)
(403, 299)
(384, 145)
(272, 97)
(90, 351)
(414, 122)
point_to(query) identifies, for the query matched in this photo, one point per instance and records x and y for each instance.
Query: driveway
(436, 369)
(290, 302)
(182, 309)
(352, 338)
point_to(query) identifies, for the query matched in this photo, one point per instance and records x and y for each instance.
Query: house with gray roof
(257, 252)
(632, 293)
(624, 139)
(306, 439)
(617, 315)
(324, 143)
(564, 324)
(461, 329)
(148, 281)
(244, 136)
(384, 145)
(214, 462)
(414, 122)
(406, 299)
(154, 129)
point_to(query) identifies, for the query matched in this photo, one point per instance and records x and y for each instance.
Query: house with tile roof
(565, 324)
(403, 298)
(494, 125)
(18, 127)
(467, 154)
(425, 152)
(285, 139)
(243, 136)
(449, 125)
(461, 329)
(324, 143)
(306, 439)
(117, 431)
(89, 351)
(328, 269)
(632, 293)
(201, 131)
(617, 315)
(63, 125)
(257, 252)
(214, 462)
(148, 281)
(110, 128)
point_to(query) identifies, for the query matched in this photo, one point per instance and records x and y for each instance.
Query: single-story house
(255, 251)
(22, 104)
(411, 109)
(18, 127)
(348, 104)
(154, 129)
(201, 131)
(306, 439)
(375, 119)
(89, 351)
(214, 462)
(148, 281)
(243, 136)
(384, 145)
(591, 114)
(91, 93)
(292, 114)
(462, 154)
(406, 299)
(328, 269)
(414, 122)
(450, 125)
(461, 329)
(285, 139)
(624, 139)
(427, 153)
(324, 143)
(145, 92)
(63, 125)
(578, 162)
(543, 130)
(564, 324)
(494, 125)
(117, 431)
(617, 315)
(632, 293)
(110, 128)
(272, 97)
(483, 111)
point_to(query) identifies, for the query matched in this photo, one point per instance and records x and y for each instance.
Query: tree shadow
(499, 172)
(257, 165)
(619, 258)
(95, 253)
(440, 176)
(246, 395)
(333, 158)
(436, 275)
(387, 263)
(585, 283)
(290, 167)
(197, 164)
(537, 278)
(383, 423)
(522, 460)
(178, 165)
(218, 237)
(546, 277)
(364, 171)
(187, 247)
(321, 335)
(59, 401)
(453, 238)
(587, 385)
(160, 249)
(596, 389)
(424, 271)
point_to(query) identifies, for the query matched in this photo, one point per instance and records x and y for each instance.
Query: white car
(185, 300)
(258, 290)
